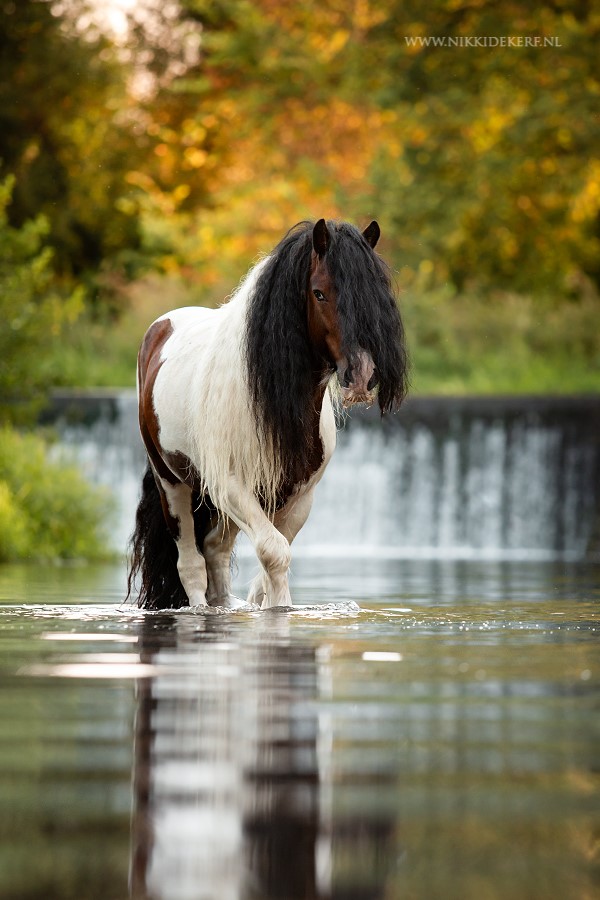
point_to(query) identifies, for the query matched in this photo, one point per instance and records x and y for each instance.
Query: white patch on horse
(202, 403)
(190, 563)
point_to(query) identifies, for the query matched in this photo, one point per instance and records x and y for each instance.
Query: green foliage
(482, 159)
(33, 315)
(47, 511)
(490, 175)
(478, 161)
(460, 342)
(504, 343)
(66, 132)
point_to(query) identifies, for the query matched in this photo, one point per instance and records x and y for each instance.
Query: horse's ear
(321, 238)
(371, 233)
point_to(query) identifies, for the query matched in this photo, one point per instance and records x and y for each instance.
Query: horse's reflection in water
(230, 753)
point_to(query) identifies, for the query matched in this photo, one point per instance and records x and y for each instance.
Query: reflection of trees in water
(229, 764)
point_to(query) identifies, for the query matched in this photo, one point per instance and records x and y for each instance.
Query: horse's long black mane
(281, 365)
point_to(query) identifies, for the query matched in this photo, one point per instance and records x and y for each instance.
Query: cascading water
(99, 431)
(472, 478)
(484, 489)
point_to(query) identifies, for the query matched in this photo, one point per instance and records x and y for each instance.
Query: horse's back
(176, 336)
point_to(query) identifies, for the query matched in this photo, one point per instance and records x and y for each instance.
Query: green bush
(47, 511)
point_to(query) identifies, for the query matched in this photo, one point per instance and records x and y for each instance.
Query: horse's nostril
(347, 380)
(373, 381)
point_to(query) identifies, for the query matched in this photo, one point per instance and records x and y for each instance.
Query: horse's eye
(320, 297)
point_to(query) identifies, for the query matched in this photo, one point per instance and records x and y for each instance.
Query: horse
(236, 411)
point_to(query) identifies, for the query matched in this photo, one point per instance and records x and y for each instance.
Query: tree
(66, 134)
(33, 315)
(490, 177)
(479, 159)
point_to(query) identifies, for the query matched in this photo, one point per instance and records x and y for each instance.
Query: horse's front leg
(191, 566)
(288, 520)
(272, 548)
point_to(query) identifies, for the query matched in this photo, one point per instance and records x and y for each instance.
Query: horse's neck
(313, 432)
(229, 345)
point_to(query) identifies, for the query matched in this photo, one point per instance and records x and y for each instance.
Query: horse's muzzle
(358, 379)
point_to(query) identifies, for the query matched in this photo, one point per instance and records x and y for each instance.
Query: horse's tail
(154, 554)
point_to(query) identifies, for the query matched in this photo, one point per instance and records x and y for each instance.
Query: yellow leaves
(502, 107)
(327, 46)
(548, 166)
(585, 206)
(228, 110)
(305, 112)
(180, 193)
(366, 15)
(413, 30)
(140, 180)
(507, 243)
(126, 205)
(167, 202)
(195, 157)
(339, 137)
(416, 135)
(524, 203)
(486, 131)
(193, 131)
(565, 138)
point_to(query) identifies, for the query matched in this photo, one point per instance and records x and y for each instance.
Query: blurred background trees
(165, 153)
(64, 135)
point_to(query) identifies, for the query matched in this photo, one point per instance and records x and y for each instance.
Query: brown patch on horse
(316, 453)
(149, 363)
(172, 467)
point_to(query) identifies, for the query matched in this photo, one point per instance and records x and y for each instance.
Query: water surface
(411, 730)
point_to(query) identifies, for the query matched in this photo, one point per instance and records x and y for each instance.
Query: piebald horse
(236, 412)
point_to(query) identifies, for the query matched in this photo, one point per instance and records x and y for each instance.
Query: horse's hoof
(280, 606)
(229, 602)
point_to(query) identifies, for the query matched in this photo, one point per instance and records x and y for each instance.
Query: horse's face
(358, 378)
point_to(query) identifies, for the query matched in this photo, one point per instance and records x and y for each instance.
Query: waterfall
(99, 431)
(513, 478)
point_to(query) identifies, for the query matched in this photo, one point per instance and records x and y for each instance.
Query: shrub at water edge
(48, 511)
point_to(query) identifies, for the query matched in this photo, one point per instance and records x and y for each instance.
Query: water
(423, 724)
(413, 729)
(466, 478)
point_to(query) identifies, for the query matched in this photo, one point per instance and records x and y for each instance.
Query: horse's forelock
(368, 311)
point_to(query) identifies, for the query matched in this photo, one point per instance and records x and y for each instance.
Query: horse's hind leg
(191, 566)
(217, 548)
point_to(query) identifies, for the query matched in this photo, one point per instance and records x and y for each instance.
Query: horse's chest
(322, 445)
